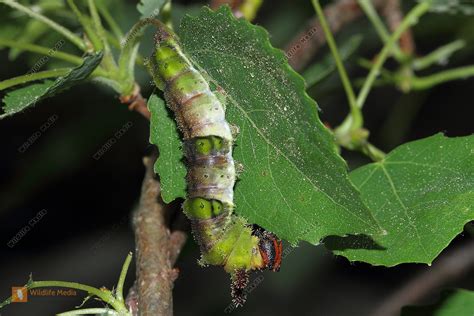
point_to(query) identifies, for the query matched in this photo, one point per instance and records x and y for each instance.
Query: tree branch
(157, 249)
(451, 266)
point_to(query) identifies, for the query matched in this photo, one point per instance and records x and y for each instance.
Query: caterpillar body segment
(224, 238)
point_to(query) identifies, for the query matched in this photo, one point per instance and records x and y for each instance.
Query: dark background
(86, 233)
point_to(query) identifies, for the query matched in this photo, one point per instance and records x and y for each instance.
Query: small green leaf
(326, 66)
(165, 135)
(20, 99)
(452, 303)
(294, 183)
(150, 8)
(422, 194)
(77, 75)
(451, 6)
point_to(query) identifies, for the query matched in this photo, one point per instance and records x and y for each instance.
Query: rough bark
(157, 248)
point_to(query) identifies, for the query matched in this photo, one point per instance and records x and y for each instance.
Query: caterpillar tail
(224, 238)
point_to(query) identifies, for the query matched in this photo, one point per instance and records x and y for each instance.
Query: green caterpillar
(224, 238)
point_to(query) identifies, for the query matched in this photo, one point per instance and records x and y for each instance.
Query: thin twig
(136, 102)
(157, 249)
(307, 42)
(449, 267)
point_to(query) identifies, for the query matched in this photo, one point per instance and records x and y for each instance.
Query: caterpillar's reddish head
(271, 250)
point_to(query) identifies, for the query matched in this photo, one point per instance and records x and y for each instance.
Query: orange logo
(19, 294)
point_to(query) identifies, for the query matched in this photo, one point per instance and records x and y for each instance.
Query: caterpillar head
(270, 248)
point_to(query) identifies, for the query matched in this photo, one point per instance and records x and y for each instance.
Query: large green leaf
(294, 183)
(20, 99)
(422, 194)
(452, 303)
(164, 134)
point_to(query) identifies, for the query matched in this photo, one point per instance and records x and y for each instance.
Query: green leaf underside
(165, 135)
(452, 303)
(150, 8)
(22, 98)
(327, 65)
(422, 194)
(294, 183)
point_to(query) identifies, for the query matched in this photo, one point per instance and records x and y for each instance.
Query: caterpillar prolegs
(224, 238)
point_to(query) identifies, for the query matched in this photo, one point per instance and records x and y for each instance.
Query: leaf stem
(103, 10)
(104, 294)
(357, 118)
(129, 53)
(411, 18)
(97, 23)
(42, 50)
(76, 40)
(89, 311)
(443, 76)
(87, 25)
(123, 275)
(108, 61)
(426, 82)
(379, 26)
(438, 55)
(372, 152)
(5, 84)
